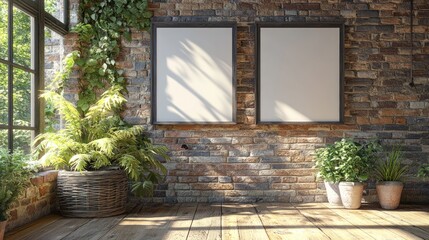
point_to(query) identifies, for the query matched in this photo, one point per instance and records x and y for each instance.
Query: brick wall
(249, 162)
(38, 200)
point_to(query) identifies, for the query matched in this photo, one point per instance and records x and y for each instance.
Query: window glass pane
(22, 97)
(55, 8)
(3, 29)
(3, 138)
(3, 94)
(22, 140)
(22, 38)
(54, 54)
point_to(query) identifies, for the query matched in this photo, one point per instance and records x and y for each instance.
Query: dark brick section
(248, 162)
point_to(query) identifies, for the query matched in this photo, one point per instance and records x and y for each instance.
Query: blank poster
(299, 74)
(194, 75)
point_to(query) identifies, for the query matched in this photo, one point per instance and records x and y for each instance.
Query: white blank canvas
(299, 74)
(194, 75)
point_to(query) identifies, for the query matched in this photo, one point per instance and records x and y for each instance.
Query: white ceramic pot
(333, 193)
(351, 194)
(389, 193)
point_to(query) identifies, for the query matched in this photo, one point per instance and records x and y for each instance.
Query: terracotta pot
(333, 193)
(2, 229)
(351, 194)
(389, 193)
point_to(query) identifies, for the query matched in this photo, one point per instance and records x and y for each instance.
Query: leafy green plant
(346, 160)
(391, 169)
(95, 136)
(423, 171)
(102, 25)
(328, 161)
(14, 177)
(100, 139)
(358, 160)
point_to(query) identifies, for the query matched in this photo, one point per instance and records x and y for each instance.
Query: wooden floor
(238, 221)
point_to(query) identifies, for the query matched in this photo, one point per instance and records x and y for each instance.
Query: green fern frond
(79, 161)
(131, 166)
(144, 188)
(65, 108)
(104, 145)
(101, 160)
(110, 101)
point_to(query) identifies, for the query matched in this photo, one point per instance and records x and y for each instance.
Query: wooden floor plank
(398, 229)
(238, 221)
(241, 221)
(361, 221)
(29, 229)
(399, 223)
(417, 219)
(56, 230)
(206, 223)
(143, 224)
(94, 229)
(333, 225)
(283, 221)
(178, 226)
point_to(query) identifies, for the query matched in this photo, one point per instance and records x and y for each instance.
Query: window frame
(42, 19)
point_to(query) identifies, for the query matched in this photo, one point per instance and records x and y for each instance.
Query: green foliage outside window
(21, 79)
(22, 95)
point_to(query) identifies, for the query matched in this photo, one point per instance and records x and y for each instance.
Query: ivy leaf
(147, 14)
(127, 35)
(80, 62)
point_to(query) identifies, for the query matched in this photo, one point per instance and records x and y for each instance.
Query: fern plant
(391, 169)
(98, 139)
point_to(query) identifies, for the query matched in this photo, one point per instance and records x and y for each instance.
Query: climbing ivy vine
(103, 24)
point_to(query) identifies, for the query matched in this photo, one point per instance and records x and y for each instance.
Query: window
(21, 72)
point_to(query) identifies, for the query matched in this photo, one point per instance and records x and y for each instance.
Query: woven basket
(92, 193)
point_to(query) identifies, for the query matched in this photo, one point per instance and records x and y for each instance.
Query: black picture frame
(338, 25)
(155, 119)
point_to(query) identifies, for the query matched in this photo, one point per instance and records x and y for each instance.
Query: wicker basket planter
(92, 193)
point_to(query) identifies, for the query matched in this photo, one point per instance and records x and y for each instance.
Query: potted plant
(98, 150)
(357, 161)
(328, 160)
(389, 173)
(423, 171)
(14, 177)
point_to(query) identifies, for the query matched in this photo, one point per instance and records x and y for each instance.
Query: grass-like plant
(391, 169)
(14, 177)
(423, 171)
(98, 139)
